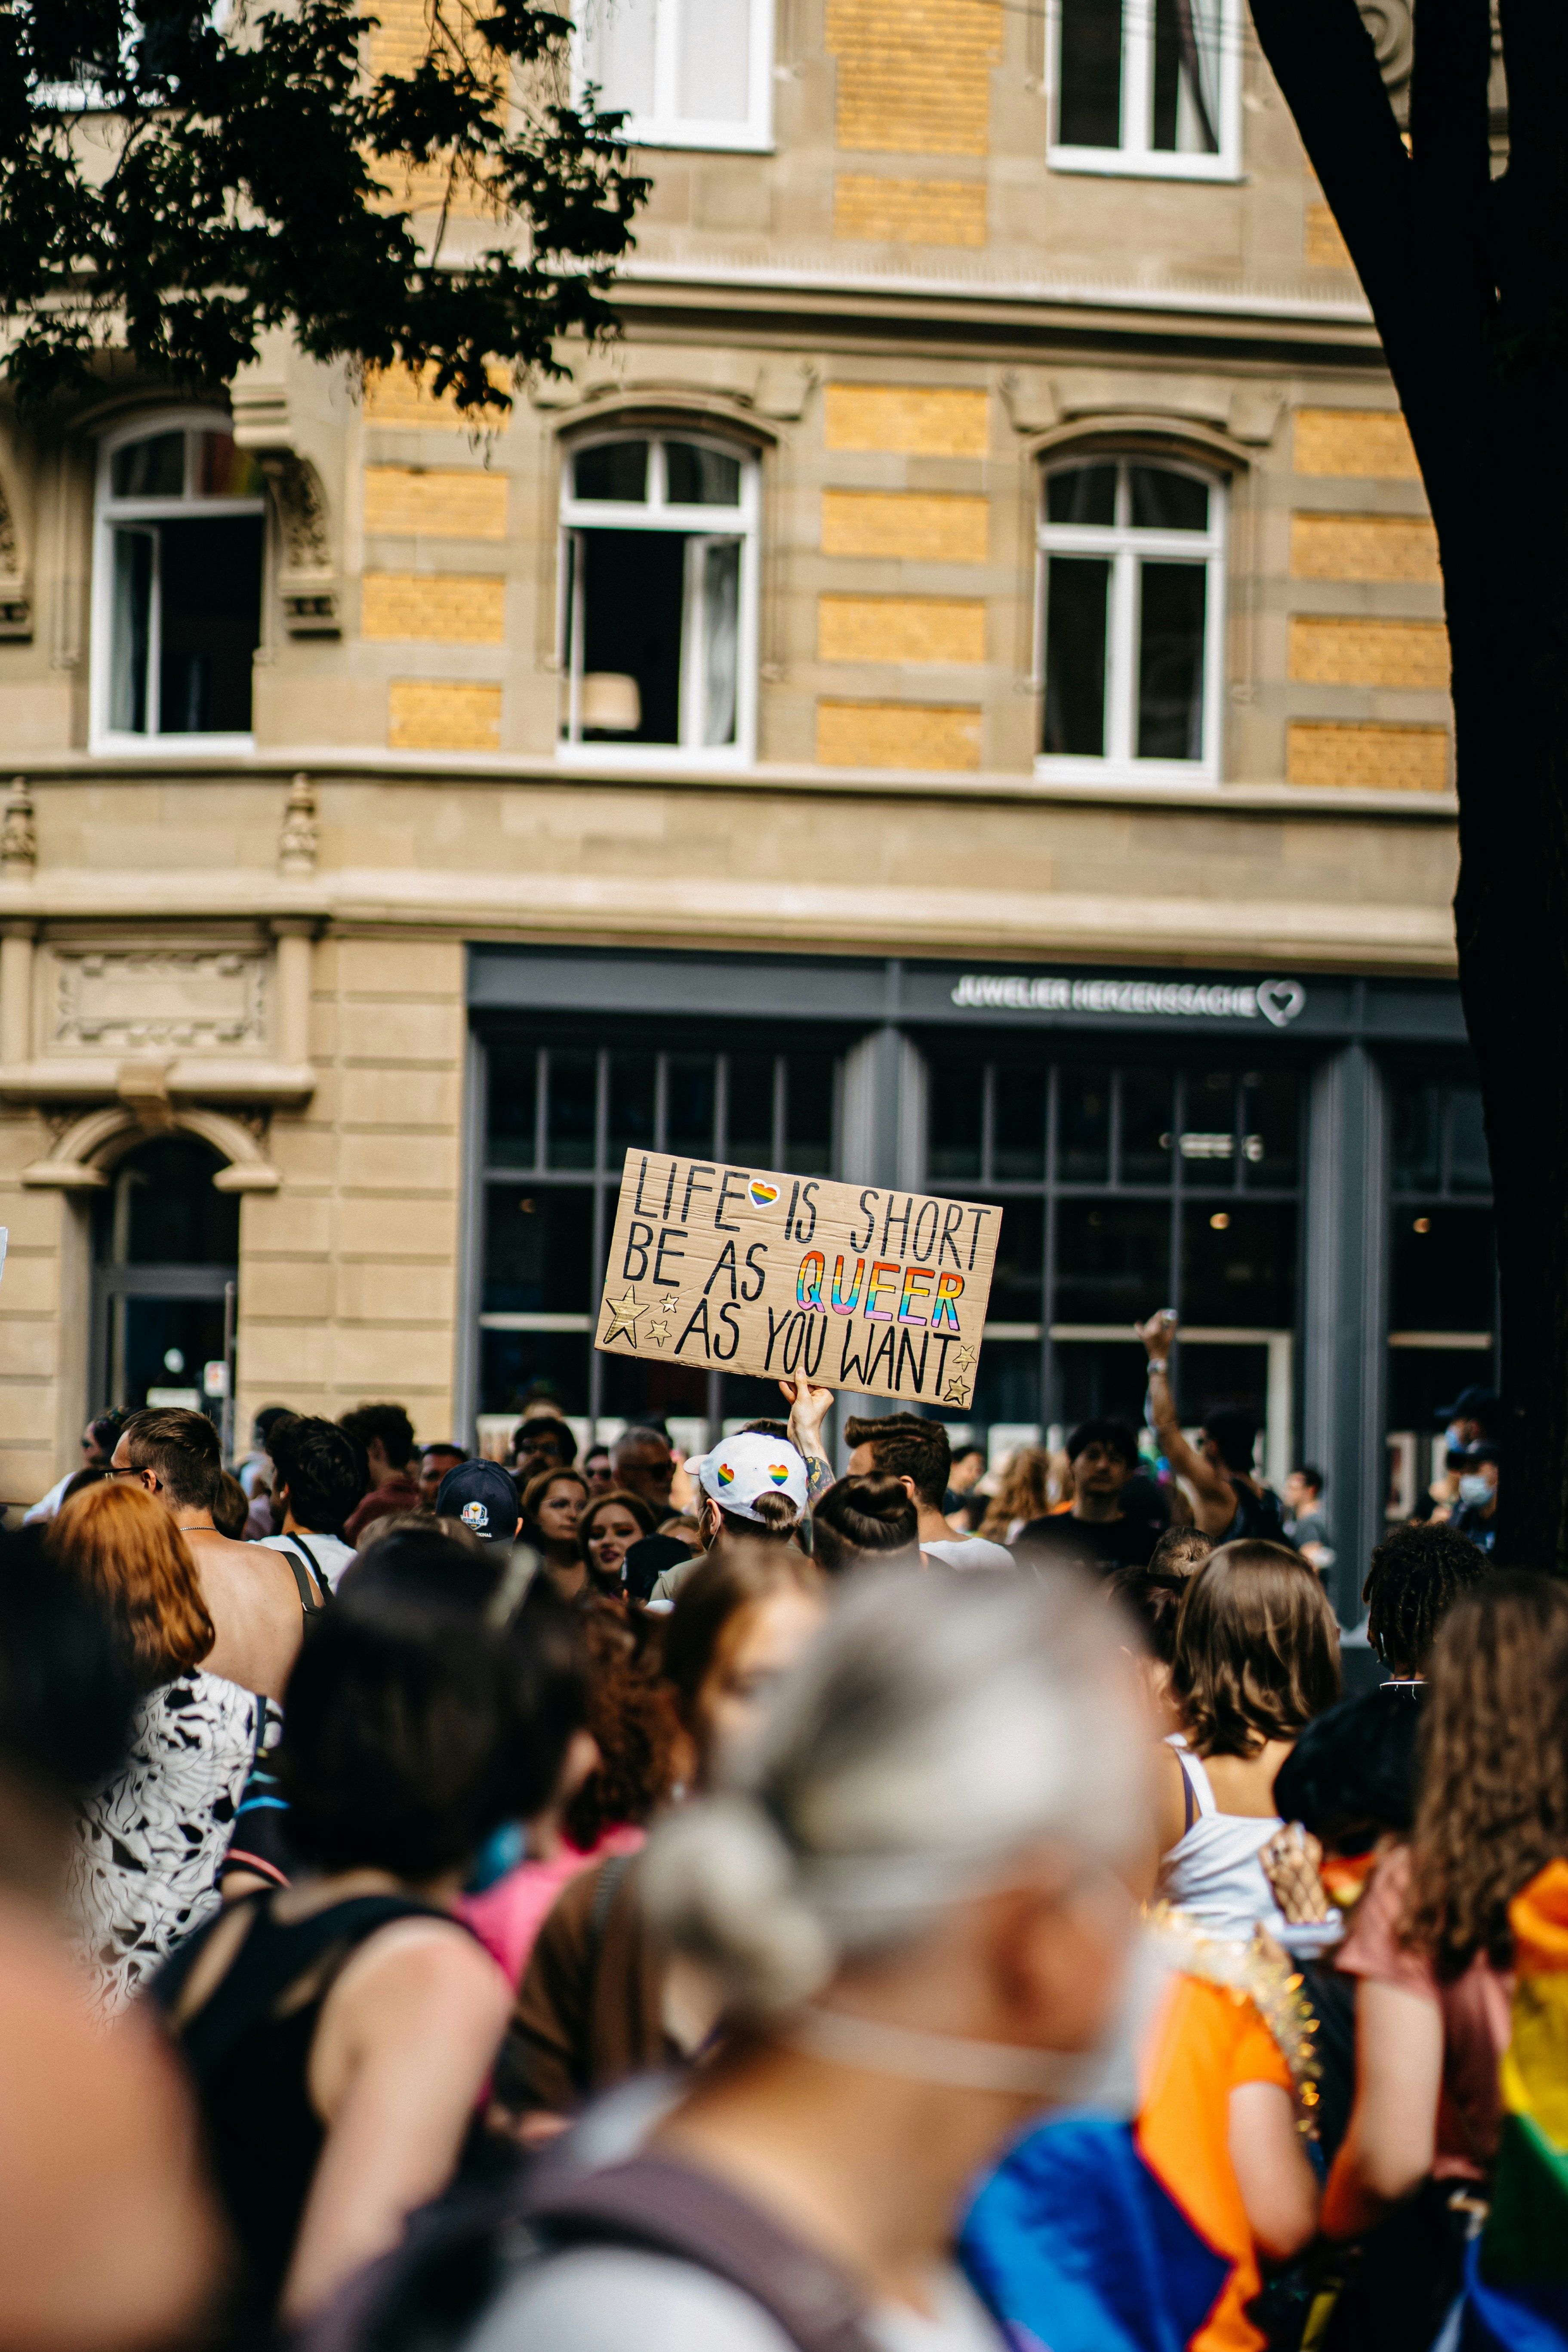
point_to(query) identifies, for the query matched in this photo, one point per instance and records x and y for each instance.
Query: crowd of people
(597, 1899)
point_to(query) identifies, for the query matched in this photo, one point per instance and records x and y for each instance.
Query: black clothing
(1353, 1772)
(1259, 1518)
(250, 2058)
(1098, 1544)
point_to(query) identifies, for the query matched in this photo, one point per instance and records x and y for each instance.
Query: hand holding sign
(853, 1286)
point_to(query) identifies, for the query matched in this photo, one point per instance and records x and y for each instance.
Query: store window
(659, 595)
(177, 589)
(1124, 1189)
(1442, 1274)
(1131, 595)
(1146, 86)
(165, 1265)
(559, 1118)
(687, 73)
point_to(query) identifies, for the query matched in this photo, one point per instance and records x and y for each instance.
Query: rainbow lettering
(880, 1283)
(944, 1314)
(917, 1284)
(808, 1281)
(842, 1305)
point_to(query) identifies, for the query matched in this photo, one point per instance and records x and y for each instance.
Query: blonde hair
(122, 1546)
(1023, 1492)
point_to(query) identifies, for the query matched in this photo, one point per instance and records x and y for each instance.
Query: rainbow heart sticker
(726, 1476)
(762, 1195)
(779, 1473)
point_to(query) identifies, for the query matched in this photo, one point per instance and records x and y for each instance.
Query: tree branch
(1451, 171)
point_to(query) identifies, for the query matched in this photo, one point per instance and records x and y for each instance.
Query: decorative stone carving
(301, 837)
(81, 1153)
(19, 833)
(308, 581)
(137, 1002)
(1393, 29)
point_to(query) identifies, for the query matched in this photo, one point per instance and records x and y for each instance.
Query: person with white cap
(754, 1484)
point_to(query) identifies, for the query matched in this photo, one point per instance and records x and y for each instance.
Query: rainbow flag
(1516, 2290)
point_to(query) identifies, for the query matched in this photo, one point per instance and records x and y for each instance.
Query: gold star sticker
(658, 1333)
(955, 1393)
(963, 1358)
(624, 1312)
(668, 1306)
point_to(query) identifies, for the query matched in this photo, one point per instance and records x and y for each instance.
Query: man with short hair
(259, 1607)
(435, 1461)
(1099, 1532)
(642, 1464)
(480, 1495)
(597, 1472)
(906, 1446)
(317, 1478)
(386, 1433)
(1305, 1526)
(1230, 1502)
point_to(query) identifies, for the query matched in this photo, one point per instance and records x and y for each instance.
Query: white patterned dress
(150, 1841)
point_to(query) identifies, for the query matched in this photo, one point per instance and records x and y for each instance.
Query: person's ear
(909, 1486)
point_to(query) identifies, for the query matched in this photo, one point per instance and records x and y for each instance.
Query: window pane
(1270, 1126)
(1186, 77)
(715, 60)
(1147, 1120)
(1113, 1260)
(956, 1115)
(1101, 1377)
(690, 1114)
(1445, 1269)
(1007, 1384)
(1208, 1134)
(615, 469)
(1084, 494)
(1469, 1163)
(537, 1250)
(511, 1362)
(1083, 1127)
(621, 53)
(1016, 1285)
(1238, 1263)
(633, 592)
(1020, 1149)
(572, 1109)
(632, 1081)
(1089, 114)
(1076, 591)
(167, 1341)
(512, 1090)
(1165, 501)
(808, 1114)
(173, 1214)
(1171, 661)
(696, 476)
(720, 639)
(153, 469)
(224, 472)
(209, 598)
(749, 1113)
(133, 552)
(1417, 1137)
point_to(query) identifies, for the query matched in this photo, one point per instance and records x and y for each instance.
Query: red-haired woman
(150, 1840)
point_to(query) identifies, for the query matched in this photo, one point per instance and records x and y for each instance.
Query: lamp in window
(612, 704)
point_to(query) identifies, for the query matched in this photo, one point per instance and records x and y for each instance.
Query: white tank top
(1214, 1874)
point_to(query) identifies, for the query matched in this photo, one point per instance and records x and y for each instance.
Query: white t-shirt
(613, 2299)
(47, 1506)
(331, 1555)
(970, 1551)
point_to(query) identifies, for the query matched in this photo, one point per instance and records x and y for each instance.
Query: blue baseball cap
(483, 1498)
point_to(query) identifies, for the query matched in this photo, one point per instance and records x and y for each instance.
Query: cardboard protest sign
(739, 1270)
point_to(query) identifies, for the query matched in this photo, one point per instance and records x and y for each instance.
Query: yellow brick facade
(1324, 247)
(1375, 759)
(909, 420)
(899, 735)
(914, 76)
(435, 502)
(1329, 651)
(909, 211)
(431, 715)
(900, 629)
(939, 530)
(1364, 547)
(1374, 442)
(398, 396)
(443, 607)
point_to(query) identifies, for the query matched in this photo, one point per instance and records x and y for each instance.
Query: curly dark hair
(1417, 1575)
(1256, 1651)
(1494, 1783)
(631, 1714)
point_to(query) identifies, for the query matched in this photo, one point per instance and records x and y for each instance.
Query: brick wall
(397, 395)
(1364, 547)
(897, 735)
(444, 607)
(906, 523)
(900, 629)
(443, 502)
(1329, 651)
(432, 715)
(910, 420)
(1368, 441)
(914, 76)
(909, 211)
(1380, 759)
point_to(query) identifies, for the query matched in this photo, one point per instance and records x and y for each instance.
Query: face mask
(1455, 1442)
(1474, 1488)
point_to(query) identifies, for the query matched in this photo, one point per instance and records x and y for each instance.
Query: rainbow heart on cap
(726, 1476)
(779, 1473)
(761, 1194)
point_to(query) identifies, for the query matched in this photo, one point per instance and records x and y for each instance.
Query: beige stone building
(958, 694)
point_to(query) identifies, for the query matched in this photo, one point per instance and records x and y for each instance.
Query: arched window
(1131, 606)
(659, 595)
(177, 588)
(166, 1249)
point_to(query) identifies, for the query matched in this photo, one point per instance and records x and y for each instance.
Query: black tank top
(1259, 1518)
(250, 2057)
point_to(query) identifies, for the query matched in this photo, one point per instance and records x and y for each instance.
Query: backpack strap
(661, 2207)
(324, 1588)
(308, 1600)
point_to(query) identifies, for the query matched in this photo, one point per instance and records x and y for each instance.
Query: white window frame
(1135, 157)
(579, 516)
(109, 511)
(665, 126)
(1127, 547)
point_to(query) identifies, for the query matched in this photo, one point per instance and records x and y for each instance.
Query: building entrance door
(165, 1254)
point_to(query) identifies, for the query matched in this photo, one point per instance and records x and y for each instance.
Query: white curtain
(618, 53)
(721, 639)
(1197, 109)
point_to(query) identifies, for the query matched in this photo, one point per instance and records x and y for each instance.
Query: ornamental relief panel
(172, 1001)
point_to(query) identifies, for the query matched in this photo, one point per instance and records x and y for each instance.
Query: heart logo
(761, 1194)
(1280, 1001)
(779, 1473)
(725, 1475)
